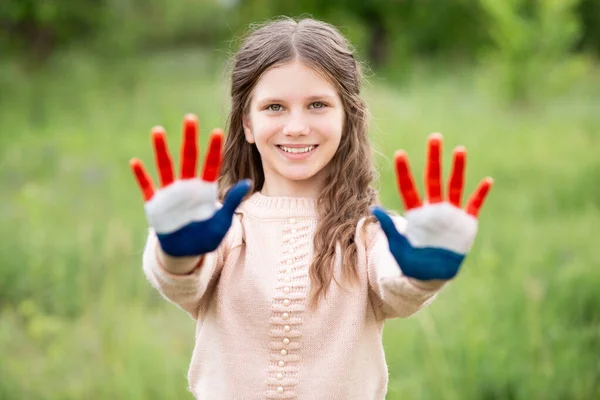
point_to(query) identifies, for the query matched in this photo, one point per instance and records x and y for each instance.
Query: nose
(296, 125)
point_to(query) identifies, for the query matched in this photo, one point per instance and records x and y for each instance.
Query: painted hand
(184, 212)
(438, 233)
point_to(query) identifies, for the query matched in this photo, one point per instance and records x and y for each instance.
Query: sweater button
(280, 389)
(285, 315)
(281, 363)
(294, 230)
(286, 341)
(292, 221)
(286, 289)
(287, 328)
(279, 376)
(286, 302)
(284, 352)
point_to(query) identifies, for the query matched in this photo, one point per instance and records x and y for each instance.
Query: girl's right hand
(184, 212)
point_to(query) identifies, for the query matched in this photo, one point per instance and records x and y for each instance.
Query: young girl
(278, 257)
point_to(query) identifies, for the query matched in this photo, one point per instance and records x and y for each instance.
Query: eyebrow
(327, 97)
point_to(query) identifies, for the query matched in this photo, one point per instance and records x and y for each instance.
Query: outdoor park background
(515, 81)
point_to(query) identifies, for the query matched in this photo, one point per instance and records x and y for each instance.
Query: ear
(247, 129)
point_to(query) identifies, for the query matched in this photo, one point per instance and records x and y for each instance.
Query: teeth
(299, 150)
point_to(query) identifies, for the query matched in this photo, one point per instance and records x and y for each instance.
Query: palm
(439, 232)
(183, 212)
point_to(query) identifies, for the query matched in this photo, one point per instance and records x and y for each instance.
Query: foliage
(110, 27)
(389, 32)
(533, 42)
(40, 26)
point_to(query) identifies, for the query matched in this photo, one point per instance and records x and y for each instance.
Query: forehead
(294, 80)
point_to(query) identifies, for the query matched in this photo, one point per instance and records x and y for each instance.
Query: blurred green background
(515, 81)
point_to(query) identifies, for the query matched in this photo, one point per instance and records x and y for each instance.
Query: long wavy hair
(347, 194)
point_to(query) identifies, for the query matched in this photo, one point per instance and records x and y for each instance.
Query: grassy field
(78, 319)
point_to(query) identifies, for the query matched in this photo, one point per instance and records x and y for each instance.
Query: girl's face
(296, 119)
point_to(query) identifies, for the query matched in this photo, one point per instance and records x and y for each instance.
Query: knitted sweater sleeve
(392, 293)
(190, 292)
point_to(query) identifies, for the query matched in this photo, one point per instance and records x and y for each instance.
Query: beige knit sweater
(255, 336)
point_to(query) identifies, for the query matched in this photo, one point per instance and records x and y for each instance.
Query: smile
(297, 153)
(297, 150)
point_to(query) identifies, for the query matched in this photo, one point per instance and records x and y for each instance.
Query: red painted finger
(212, 164)
(478, 197)
(189, 147)
(457, 176)
(433, 171)
(143, 179)
(406, 183)
(162, 157)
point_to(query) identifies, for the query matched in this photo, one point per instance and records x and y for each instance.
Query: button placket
(287, 307)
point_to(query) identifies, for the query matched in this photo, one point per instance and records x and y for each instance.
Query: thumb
(386, 222)
(234, 196)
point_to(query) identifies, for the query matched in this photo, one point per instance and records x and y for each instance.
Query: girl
(278, 258)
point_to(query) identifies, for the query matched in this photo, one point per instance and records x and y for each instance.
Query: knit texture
(256, 338)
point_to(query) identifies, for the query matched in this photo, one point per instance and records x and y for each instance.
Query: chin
(299, 176)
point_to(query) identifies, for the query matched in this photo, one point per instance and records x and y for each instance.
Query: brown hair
(346, 197)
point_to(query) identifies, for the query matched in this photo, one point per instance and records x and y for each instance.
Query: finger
(212, 164)
(387, 224)
(143, 179)
(478, 197)
(162, 157)
(189, 147)
(433, 171)
(405, 181)
(234, 196)
(457, 176)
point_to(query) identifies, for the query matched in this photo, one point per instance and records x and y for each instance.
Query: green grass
(78, 319)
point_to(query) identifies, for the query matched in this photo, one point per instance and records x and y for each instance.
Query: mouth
(297, 150)
(297, 153)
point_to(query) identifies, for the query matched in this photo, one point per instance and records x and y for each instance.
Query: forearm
(401, 296)
(181, 280)
(396, 294)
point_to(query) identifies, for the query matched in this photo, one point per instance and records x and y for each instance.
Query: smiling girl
(279, 250)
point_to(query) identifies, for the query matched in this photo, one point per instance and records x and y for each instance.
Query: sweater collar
(262, 206)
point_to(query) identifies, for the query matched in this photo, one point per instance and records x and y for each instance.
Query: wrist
(431, 284)
(177, 265)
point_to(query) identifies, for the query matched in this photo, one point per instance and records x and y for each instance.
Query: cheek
(264, 128)
(332, 127)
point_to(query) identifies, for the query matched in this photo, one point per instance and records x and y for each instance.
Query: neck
(309, 188)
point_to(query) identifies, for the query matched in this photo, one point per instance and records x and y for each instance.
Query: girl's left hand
(438, 233)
